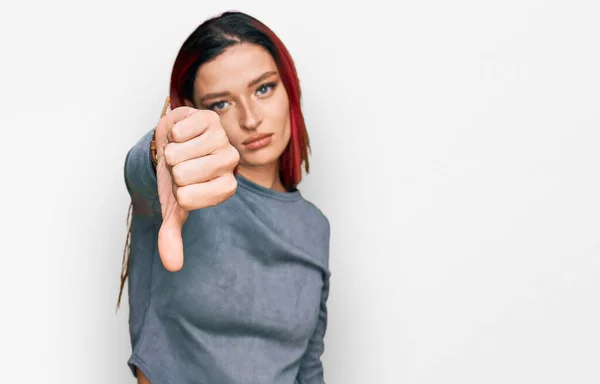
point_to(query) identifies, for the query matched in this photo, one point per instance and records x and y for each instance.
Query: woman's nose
(249, 118)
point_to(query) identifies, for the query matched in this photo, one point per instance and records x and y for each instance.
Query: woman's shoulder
(317, 217)
(317, 232)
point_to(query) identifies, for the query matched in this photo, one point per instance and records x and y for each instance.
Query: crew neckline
(268, 192)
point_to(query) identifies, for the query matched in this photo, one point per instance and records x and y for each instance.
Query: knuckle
(235, 157)
(179, 195)
(222, 135)
(217, 136)
(211, 116)
(189, 111)
(177, 175)
(235, 154)
(231, 185)
(168, 154)
(176, 132)
(183, 199)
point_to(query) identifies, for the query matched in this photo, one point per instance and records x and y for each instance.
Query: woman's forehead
(234, 68)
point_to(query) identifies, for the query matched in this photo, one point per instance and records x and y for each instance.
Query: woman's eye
(264, 89)
(218, 105)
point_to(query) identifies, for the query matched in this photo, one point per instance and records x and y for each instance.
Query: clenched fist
(195, 170)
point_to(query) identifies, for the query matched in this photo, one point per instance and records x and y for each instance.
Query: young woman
(247, 303)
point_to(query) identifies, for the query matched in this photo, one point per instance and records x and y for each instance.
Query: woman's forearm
(140, 176)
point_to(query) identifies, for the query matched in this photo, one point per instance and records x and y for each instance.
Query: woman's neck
(266, 176)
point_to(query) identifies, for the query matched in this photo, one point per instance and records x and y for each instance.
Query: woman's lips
(258, 141)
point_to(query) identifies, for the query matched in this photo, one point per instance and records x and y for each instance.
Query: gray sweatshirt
(249, 304)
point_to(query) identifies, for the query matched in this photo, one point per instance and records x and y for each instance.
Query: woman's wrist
(153, 151)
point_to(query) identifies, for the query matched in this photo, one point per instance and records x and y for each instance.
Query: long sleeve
(311, 366)
(140, 178)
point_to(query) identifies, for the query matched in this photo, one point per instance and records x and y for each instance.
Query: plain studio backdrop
(456, 152)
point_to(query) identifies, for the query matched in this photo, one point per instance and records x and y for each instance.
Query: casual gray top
(249, 304)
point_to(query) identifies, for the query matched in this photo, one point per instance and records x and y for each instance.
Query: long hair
(208, 41)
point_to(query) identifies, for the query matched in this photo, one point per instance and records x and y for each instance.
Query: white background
(456, 152)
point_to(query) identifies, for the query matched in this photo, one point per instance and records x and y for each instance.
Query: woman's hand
(195, 170)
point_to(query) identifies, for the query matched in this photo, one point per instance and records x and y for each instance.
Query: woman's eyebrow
(261, 78)
(213, 95)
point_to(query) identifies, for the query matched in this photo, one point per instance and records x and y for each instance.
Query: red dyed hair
(209, 40)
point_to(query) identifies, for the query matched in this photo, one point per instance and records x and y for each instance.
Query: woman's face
(243, 86)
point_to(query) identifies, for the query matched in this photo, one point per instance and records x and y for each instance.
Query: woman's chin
(259, 158)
